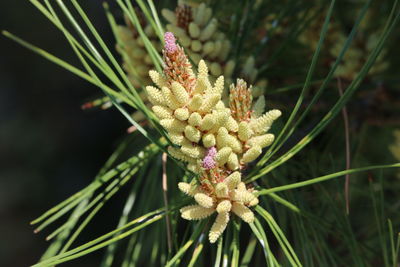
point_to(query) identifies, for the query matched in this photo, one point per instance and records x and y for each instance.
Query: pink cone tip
(170, 42)
(212, 151)
(208, 161)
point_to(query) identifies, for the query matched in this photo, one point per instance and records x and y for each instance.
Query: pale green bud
(215, 69)
(228, 69)
(209, 140)
(173, 125)
(196, 46)
(185, 41)
(195, 212)
(155, 96)
(192, 133)
(243, 212)
(224, 206)
(209, 102)
(162, 112)
(231, 125)
(209, 30)
(221, 190)
(170, 99)
(195, 119)
(192, 151)
(208, 47)
(233, 162)
(181, 114)
(194, 30)
(180, 93)
(259, 106)
(262, 140)
(204, 200)
(218, 227)
(223, 155)
(208, 122)
(251, 154)
(157, 78)
(169, 16)
(244, 131)
(233, 180)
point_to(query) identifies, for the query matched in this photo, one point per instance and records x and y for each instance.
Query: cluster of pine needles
(323, 197)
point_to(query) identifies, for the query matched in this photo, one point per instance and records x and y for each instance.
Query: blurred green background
(49, 147)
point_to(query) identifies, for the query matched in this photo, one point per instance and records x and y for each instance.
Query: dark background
(49, 147)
